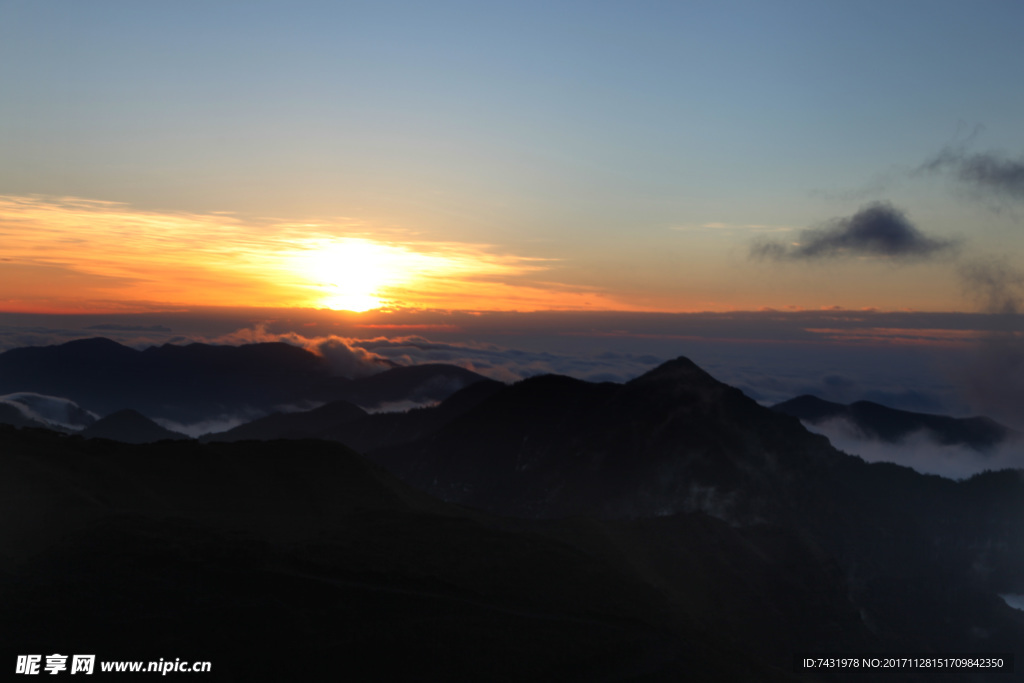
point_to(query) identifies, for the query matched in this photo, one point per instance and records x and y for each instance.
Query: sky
(800, 167)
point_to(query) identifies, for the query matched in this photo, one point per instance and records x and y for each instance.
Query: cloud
(356, 357)
(993, 378)
(985, 171)
(353, 357)
(1014, 601)
(921, 452)
(900, 358)
(54, 410)
(508, 364)
(344, 358)
(878, 229)
(995, 284)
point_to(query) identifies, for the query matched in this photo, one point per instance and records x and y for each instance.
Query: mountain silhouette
(129, 426)
(892, 425)
(278, 560)
(676, 442)
(344, 422)
(555, 529)
(672, 440)
(12, 415)
(308, 424)
(197, 382)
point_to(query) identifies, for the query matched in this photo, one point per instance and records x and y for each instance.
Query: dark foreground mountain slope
(278, 560)
(685, 533)
(880, 422)
(294, 560)
(197, 382)
(920, 559)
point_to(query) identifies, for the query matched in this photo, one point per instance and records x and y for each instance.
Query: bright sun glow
(74, 254)
(354, 273)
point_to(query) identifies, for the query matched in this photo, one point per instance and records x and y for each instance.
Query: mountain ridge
(621, 521)
(197, 382)
(893, 425)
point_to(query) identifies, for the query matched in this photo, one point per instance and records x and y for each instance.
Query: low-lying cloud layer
(52, 410)
(352, 357)
(877, 230)
(902, 359)
(921, 451)
(344, 358)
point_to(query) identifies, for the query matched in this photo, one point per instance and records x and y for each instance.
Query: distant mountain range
(879, 422)
(347, 423)
(197, 382)
(667, 528)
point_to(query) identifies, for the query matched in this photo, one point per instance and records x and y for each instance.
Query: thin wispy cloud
(878, 230)
(988, 172)
(997, 286)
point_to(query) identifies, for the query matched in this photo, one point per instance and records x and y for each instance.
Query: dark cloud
(998, 286)
(986, 171)
(993, 378)
(878, 229)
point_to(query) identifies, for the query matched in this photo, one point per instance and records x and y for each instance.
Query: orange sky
(81, 255)
(74, 254)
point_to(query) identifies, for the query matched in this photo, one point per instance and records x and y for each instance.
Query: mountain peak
(681, 370)
(129, 426)
(809, 407)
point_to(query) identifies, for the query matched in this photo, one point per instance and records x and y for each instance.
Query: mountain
(197, 382)
(426, 383)
(889, 424)
(663, 529)
(344, 422)
(15, 416)
(675, 442)
(129, 426)
(308, 424)
(672, 440)
(287, 560)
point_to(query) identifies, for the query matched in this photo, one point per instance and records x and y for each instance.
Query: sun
(353, 273)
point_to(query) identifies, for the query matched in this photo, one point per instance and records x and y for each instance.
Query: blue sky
(604, 137)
